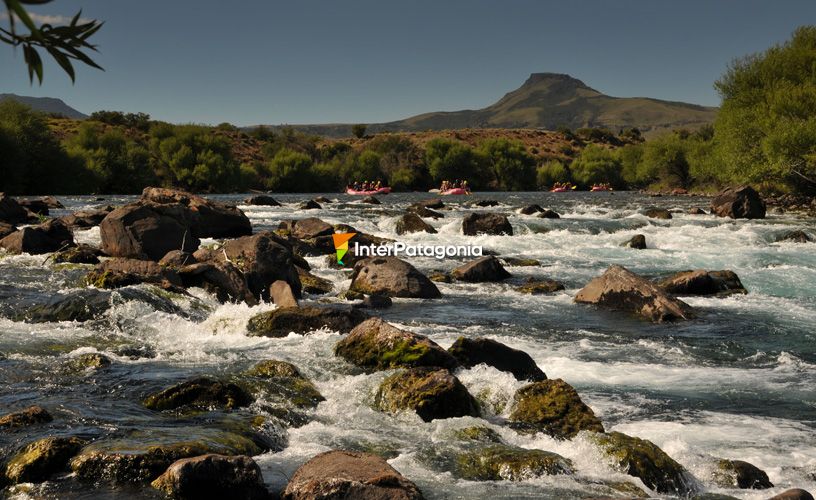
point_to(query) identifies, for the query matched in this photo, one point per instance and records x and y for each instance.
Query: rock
(199, 393)
(47, 237)
(552, 407)
(798, 236)
(702, 282)
(697, 211)
(84, 219)
(352, 295)
(738, 203)
(486, 223)
(26, 417)
(310, 227)
(376, 345)
(391, 277)
(500, 462)
(309, 205)
(321, 199)
(349, 475)
(12, 212)
(262, 200)
(793, 494)
(371, 200)
(539, 286)
(377, 302)
(433, 393)
(486, 203)
(282, 294)
(622, 290)
(213, 476)
(412, 223)
(313, 284)
(140, 232)
(434, 203)
(89, 303)
(479, 434)
(80, 254)
(176, 259)
(643, 459)
(263, 258)
(222, 279)
(424, 212)
(739, 474)
(520, 262)
(531, 209)
(88, 361)
(637, 242)
(481, 270)
(6, 229)
(548, 214)
(38, 207)
(440, 277)
(41, 459)
(281, 322)
(205, 218)
(119, 272)
(471, 352)
(279, 380)
(657, 213)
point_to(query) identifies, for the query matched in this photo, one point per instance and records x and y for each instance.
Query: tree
(513, 167)
(596, 165)
(448, 160)
(358, 130)
(664, 158)
(289, 171)
(551, 172)
(63, 43)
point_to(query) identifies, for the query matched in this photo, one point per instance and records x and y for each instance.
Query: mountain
(548, 101)
(46, 105)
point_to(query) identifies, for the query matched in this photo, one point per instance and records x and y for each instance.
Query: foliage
(597, 165)
(139, 121)
(289, 171)
(513, 167)
(551, 172)
(358, 130)
(448, 160)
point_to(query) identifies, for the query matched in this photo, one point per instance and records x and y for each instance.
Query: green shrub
(596, 165)
(448, 160)
(551, 172)
(513, 167)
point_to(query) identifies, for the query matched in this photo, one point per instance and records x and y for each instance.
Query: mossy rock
(478, 434)
(552, 407)
(520, 262)
(537, 286)
(500, 462)
(88, 361)
(351, 295)
(279, 380)
(281, 322)
(432, 393)
(200, 393)
(313, 284)
(39, 460)
(739, 474)
(440, 277)
(645, 460)
(26, 417)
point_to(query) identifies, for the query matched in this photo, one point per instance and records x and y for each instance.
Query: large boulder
(553, 407)
(471, 352)
(12, 212)
(41, 459)
(25, 417)
(206, 218)
(89, 303)
(285, 320)
(702, 282)
(262, 200)
(392, 277)
(140, 232)
(432, 393)
(622, 290)
(83, 219)
(501, 462)
(199, 393)
(481, 270)
(80, 254)
(213, 476)
(282, 295)
(741, 202)
(638, 242)
(6, 229)
(310, 227)
(643, 459)
(119, 272)
(275, 380)
(412, 223)
(346, 474)
(486, 223)
(222, 279)
(313, 284)
(263, 258)
(793, 494)
(376, 345)
(47, 237)
(739, 474)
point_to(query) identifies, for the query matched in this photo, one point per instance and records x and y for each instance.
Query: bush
(448, 160)
(551, 172)
(513, 168)
(596, 165)
(289, 171)
(358, 130)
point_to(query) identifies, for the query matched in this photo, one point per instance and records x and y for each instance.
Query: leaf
(20, 12)
(63, 61)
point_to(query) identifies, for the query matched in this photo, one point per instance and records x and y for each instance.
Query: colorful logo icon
(341, 244)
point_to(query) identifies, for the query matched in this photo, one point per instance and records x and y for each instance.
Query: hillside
(46, 105)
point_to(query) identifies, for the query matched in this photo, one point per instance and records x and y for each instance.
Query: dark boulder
(433, 393)
(539, 286)
(80, 254)
(702, 282)
(262, 200)
(263, 258)
(434, 203)
(412, 223)
(26, 417)
(205, 218)
(119, 272)
(486, 203)
(520, 262)
(739, 474)
(199, 393)
(657, 213)
(84, 219)
(483, 269)
(285, 320)
(638, 242)
(6, 229)
(140, 232)
(423, 211)
(321, 199)
(376, 302)
(793, 494)
(310, 227)
(553, 407)
(222, 279)
(34, 206)
(471, 352)
(531, 209)
(486, 223)
(309, 205)
(176, 259)
(213, 476)
(548, 214)
(47, 237)
(391, 277)
(41, 459)
(12, 212)
(313, 284)
(90, 303)
(741, 202)
(371, 200)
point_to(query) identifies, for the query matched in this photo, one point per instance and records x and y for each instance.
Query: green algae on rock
(25, 417)
(552, 407)
(41, 459)
(431, 393)
(281, 380)
(739, 474)
(199, 393)
(281, 322)
(500, 462)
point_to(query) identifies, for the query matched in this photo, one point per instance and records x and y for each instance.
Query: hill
(46, 105)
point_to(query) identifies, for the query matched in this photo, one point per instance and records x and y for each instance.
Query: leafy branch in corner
(64, 43)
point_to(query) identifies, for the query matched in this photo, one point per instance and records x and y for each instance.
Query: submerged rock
(425, 212)
(345, 474)
(657, 213)
(313, 284)
(87, 304)
(281, 322)
(26, 417)
(485, 203)
(797, 236)
(702, 282)
(213, 476)
(262, 200)
(309, 205)
(552, 407)
(478, 434)
(283, 382)
(484, 269)
(643, 459)
(41, 459)
(433, 393)
(486, 223)
(548, 214)
(531, 209)
(622, 290)
(697, 211)
(538, 286)
(434, 203)
(739, 474)
(638, 242)
(391, 277)
(376, 345)
(199, 393)
(501, 462)
(520, 262)
(88, 361)
(47, 237)
(471, 352)
(412, 223)
(741, 202)
(371, 200)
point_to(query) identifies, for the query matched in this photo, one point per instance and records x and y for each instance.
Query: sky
(364, 61)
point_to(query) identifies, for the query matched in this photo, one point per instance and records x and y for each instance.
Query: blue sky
(309, 61)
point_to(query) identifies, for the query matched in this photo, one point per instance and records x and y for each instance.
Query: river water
(737, 383)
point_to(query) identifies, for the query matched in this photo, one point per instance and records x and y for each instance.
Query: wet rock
(531, 209)
(345, 474)
(739, 474)
(425, 212)
(440, 277)
(738, 203)
(140, 232)
(478, 434)
(6, 229)
(539, 286)
(391, 277)
(657, 213)
(486, 223)
(484, 269)
(282, 295)
(322, 199)
(520, 262)
(486, 203)
(205, 218)
(552, 407)
(213, 476)
(376, 345)
(434, 203)
(548, 214)
(309, 205)
(798, 236)
(793, 494)
(41, 459)
(262, 200)
(36, 206)
(281, 322)
(26, 417)
(282, 382)
(47, 237)
(702, 282)
(87, 304)
(177, 259)
(643, 459)
(222, 279)
(88, 361)
(376, 302)
(501, 462)
(263, 258)
(310, 227)
(697, 211)
(119, 272)
(314, 284)
(637, 242)
(471, 352)
(412, 223)
(371, 200)
(12, 212)
(433, 393)
(84, 219)
(351, 295)
(622, 290)
(199, 393)
(80, 254)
